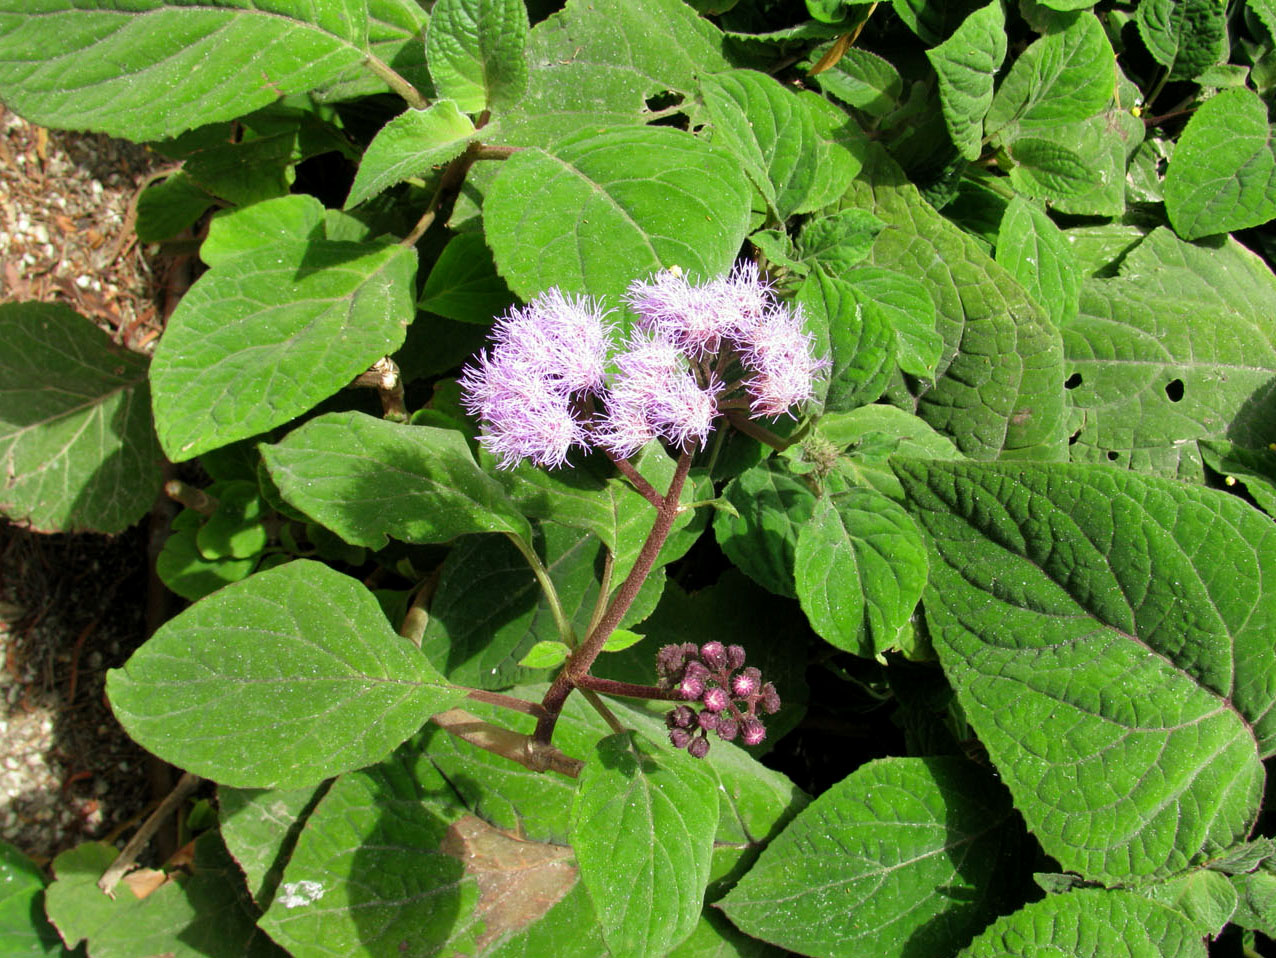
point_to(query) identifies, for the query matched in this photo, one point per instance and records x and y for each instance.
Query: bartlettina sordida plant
(697, 355)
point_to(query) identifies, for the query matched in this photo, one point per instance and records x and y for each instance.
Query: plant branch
(515, 746)
(627, 689)
(601, 708)
(396, 82)
(192, 498)
(506, 702)
(580, 661)
(565, 630)
(445, 194)
(128, 854)
(637, 480)
(753, 430)
(383, 376)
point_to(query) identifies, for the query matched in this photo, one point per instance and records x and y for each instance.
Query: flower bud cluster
(542, 389)
(729, 695)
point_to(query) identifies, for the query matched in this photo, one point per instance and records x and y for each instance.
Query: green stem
(396, 82)
(565, 630)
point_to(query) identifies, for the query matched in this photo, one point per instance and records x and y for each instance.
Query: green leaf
(642, 829)
(863, 80)
(860, 568)
(545, 655)
(368, 875)
(1206, 898)
(463, 284)
(762, 538)
(1185, 36)
(166, 208)
(282, 680)
(102, 67)
(1090, 923)
(906, 307)
(606, 208)
(966, 64)
(1125, 622)
(1256, 907)
(904, 856)
(598, 62)
(1144, 384)
(395, 36)
(840, 240)
(1048, 169)
(773, 132)
(477, 52)
(260, 828)
(235, 529)
(621, 639)
(24, 929)
(202, 912)
(369, 479)
(861, 342)
(183, 569)
(268, 334)
(260, 227)
(998, 387)
(1222, 175)
(1034, 251)
(408, 146)
(77, 448)
(1062, 77)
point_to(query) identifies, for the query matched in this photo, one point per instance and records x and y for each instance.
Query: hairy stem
(626, 689)
(581, 660)
(505, 702)
(637, 480)
(396, 82)
(515, 746)
(753, 430)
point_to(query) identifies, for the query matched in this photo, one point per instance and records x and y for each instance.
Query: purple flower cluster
(730, 695)
(542, 388)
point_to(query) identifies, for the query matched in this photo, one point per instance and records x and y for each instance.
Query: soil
(71, 607)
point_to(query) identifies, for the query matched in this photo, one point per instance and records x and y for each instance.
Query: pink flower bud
(699, 747)
(753, 731)
(716, 699)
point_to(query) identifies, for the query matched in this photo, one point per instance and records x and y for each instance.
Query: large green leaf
(1109, 638)
(368, 876)
(284, 679)
(774, 133)
(771, 507)
(463, 283)
(1090, 923)
(605, 208)
(1180, 346)
(860, 567)
(999, 385)
(1062, 77)
(598, 62)
(642, 829)
(77, 448)
(966, 64)
(906, 856)
(409, 145)
(25, 932)
(201, 912)
(369, 479)
(1222, 175)
(861, 342)
(477, 52)
(1185, 36)
(266, 335)
(105, 66)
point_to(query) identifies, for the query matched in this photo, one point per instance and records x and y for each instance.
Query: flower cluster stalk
(582, 659)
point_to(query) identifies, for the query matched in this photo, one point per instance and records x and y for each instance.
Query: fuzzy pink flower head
(653, 394)
(692, 318)
(779, 354)
(744, 294)
(543, 356)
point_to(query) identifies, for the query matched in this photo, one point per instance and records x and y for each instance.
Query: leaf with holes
(603, 209)
(282, 680)
(1124, 622)
(1146, 383)
(77, 448)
